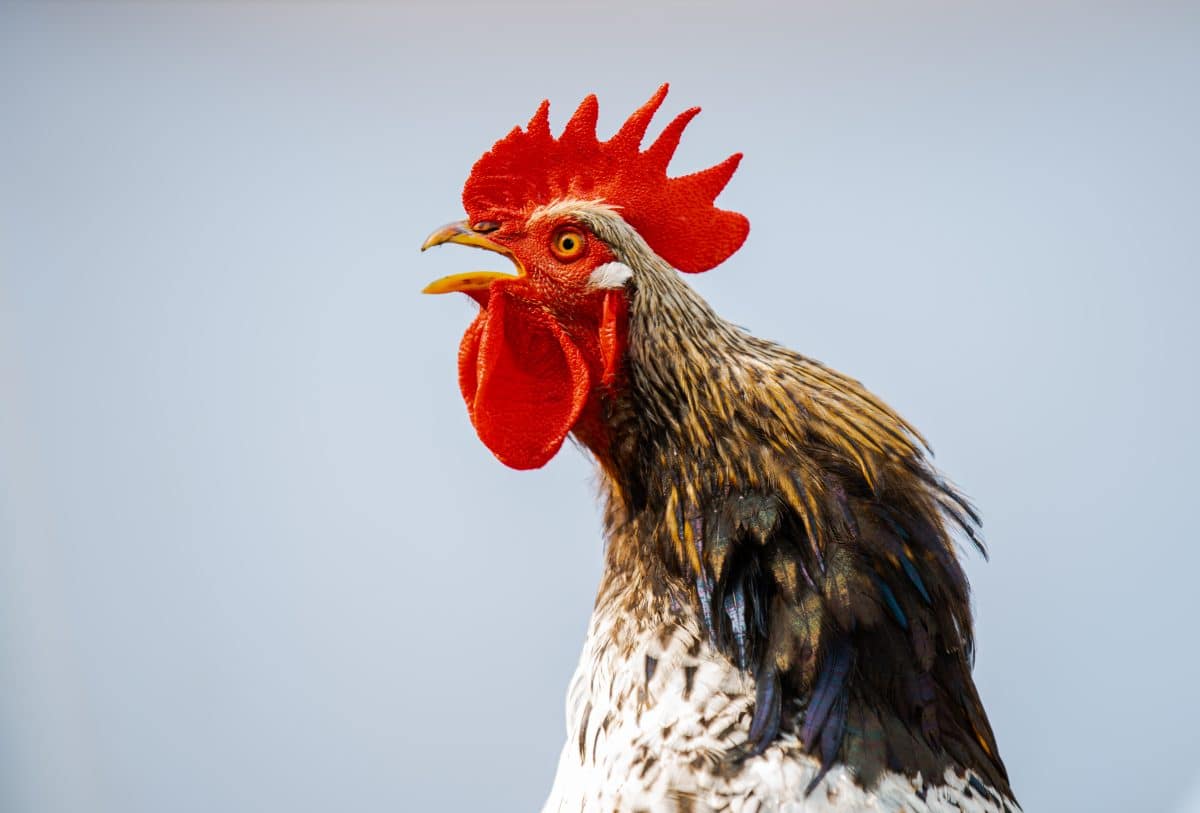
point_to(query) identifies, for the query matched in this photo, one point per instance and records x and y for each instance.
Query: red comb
(675, 216)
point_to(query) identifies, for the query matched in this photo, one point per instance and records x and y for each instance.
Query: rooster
(782, 623)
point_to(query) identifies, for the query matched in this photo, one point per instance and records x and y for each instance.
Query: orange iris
(568, 244)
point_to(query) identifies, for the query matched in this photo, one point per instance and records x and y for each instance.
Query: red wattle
(524, 380)
(613, 329)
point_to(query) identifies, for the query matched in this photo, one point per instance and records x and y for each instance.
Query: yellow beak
(462, 233)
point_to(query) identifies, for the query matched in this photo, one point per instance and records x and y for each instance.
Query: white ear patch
(610, 275)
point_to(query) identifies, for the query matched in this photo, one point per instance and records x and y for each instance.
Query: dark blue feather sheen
(735, 611)
(982, 789)
(906, 535)
(831, 684)
(889, 600)
(927, 537)
(896, 547)
(768, 708)
(831, 738)
(915, 577)
(886, 516)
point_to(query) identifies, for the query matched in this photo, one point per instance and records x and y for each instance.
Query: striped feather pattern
(780, 547)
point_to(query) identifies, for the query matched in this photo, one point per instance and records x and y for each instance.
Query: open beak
(472, 281)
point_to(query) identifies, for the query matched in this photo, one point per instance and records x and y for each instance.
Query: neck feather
(800, 516)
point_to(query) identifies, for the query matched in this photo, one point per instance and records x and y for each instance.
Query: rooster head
(581, 220)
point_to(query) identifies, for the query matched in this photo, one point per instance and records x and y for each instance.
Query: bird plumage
(783, 623)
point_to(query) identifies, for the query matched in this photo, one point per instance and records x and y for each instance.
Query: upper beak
(462, 233)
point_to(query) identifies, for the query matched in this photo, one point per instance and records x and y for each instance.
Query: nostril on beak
(485, 226)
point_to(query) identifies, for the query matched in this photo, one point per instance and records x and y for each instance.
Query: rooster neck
(798, 518)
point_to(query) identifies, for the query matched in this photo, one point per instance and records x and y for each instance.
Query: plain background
(252, 556)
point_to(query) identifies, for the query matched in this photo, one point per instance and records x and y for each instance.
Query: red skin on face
(542, 351)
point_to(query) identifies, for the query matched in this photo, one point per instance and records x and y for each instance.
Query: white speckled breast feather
(652, 711)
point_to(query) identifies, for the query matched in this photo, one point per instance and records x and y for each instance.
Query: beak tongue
(472, 282)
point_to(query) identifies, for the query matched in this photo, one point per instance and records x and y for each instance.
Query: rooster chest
(653, 713)
(650, 711)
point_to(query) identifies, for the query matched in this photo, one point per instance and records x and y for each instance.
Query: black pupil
(568, 243)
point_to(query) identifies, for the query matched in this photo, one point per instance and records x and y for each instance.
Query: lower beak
(472, 281)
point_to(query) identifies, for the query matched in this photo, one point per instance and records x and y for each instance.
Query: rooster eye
(568, 244)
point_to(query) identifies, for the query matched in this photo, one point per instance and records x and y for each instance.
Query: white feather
(610, 275)
(640, 742)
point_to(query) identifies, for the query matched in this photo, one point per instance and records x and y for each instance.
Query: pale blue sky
(252, 556)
